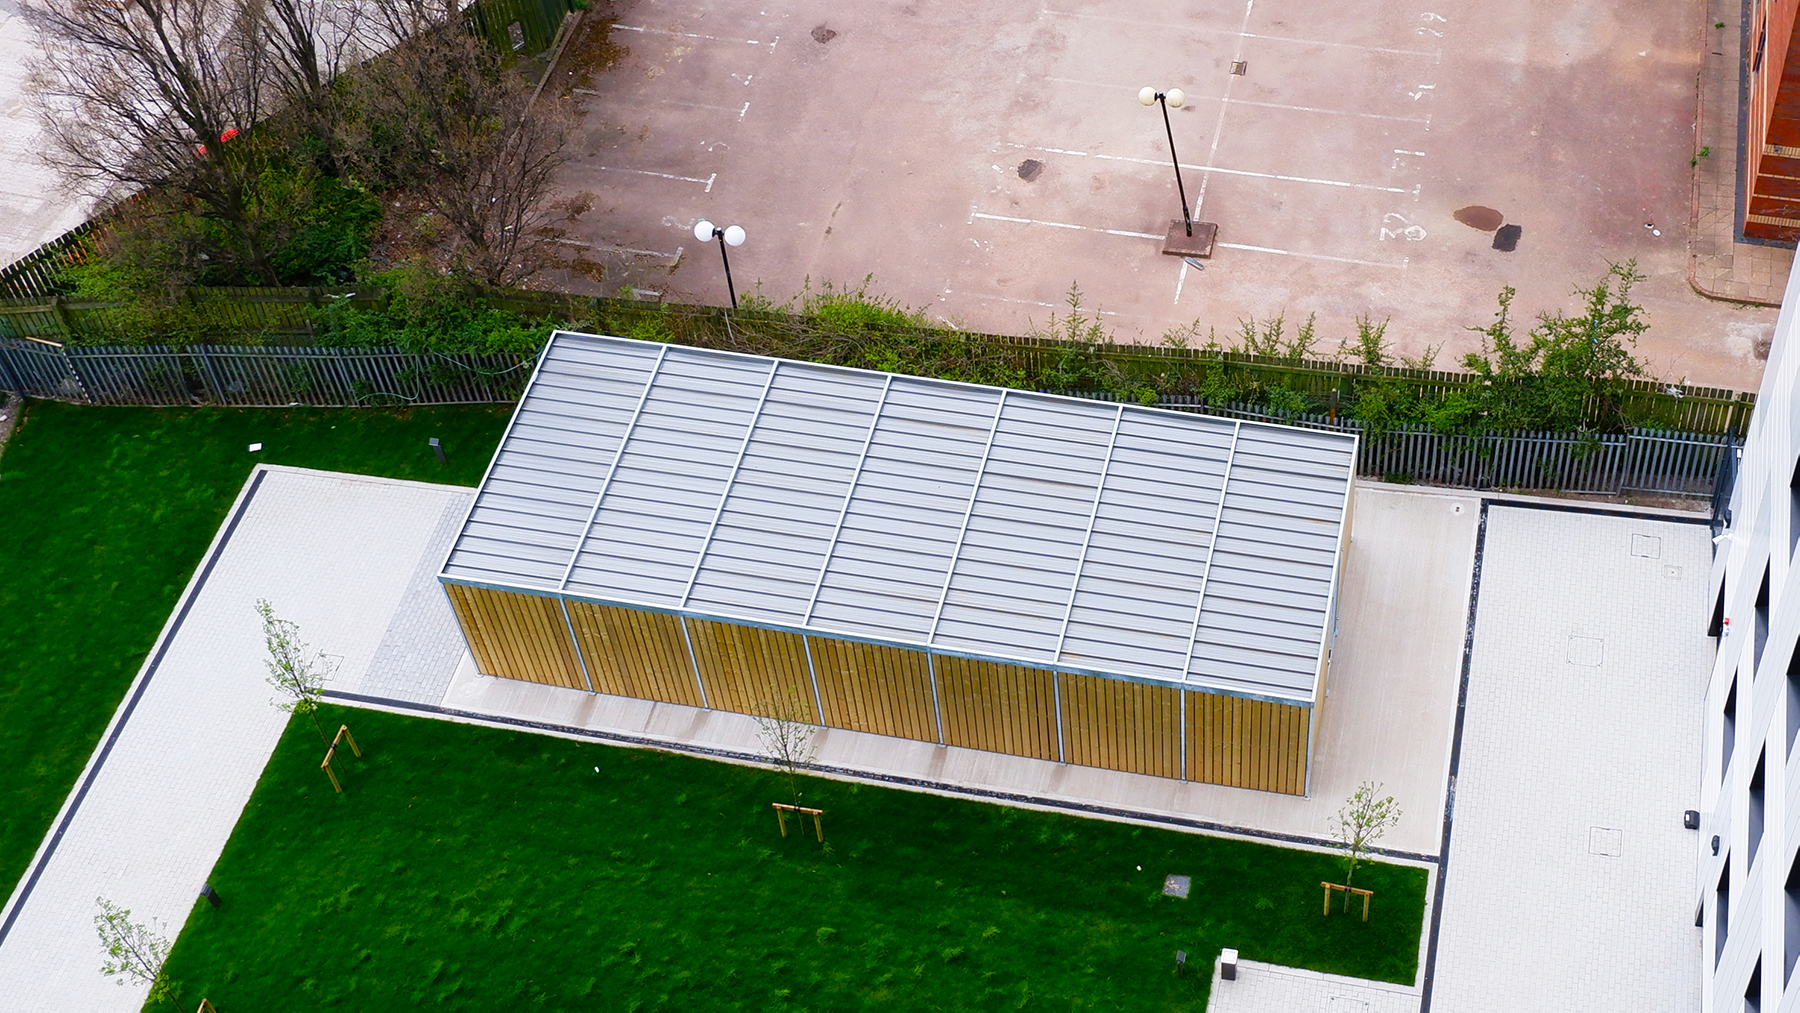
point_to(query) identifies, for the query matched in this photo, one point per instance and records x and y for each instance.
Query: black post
(1186, 218)
(719, 234)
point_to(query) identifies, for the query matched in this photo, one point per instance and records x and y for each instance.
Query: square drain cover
(1647, 546)
(1606, 841)
(1587, 652)
(1176, 886)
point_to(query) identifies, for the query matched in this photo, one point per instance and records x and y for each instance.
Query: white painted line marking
(1062, 225)
(662, 101)
(1212, 154)
(1031, 302)
(620, 249)
(1181, 281)
(691, 35)
(1214, 168)
(1403, 151)
(1426, 120)
(664, 175)
(1245, 33)
(1311, 256)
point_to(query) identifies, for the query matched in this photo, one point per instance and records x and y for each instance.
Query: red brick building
(1772, 123)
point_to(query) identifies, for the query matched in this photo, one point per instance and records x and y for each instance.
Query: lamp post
(1173, 97)
(730, 235)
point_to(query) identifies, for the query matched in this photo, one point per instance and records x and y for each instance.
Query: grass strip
(470, 868)
(107, 512)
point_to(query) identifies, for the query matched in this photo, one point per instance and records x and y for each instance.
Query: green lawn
(469, 868)
(106, 513)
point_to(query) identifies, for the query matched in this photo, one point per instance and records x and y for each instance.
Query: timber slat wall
(1108, 723)
(870, 688)
(1247, 743)
(1001, 708)
(518, 636)
(633, 653)
(753, 671)
(1121, 725)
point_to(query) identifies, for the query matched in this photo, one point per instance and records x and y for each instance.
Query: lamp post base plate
(1200, 244)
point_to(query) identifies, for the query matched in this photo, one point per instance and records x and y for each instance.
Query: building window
(1716, 625)
(1728, 731)
(1793, 697)
(1791, 919)
(1794, 511)
(1721, 912)
(1754, 812)
(1762, 622)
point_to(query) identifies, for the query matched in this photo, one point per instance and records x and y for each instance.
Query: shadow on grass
(479, 869)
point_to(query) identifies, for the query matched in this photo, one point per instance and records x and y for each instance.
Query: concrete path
(1569, 882)
(33, 210)
(1271, 988)
(336, 554)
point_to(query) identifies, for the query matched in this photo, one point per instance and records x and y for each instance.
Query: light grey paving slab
(334, 553)
(1271, 988)
(422, 645)
(1570, 880)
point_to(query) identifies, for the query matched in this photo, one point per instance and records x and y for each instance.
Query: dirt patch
(822, 35)
(592, 51)
(1030, 169)
(1477, 217)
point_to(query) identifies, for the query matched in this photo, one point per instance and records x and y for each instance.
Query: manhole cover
(823, 35)
(1029, 169)
(1647, 546)
(1672, 572)
(1587, 652)
(1176, 886)
(1606, 841)
(1477, 217)
(1506, 239)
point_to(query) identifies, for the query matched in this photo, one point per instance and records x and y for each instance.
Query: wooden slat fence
(258, 377)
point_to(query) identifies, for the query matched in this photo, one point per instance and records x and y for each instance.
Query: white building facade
(1749, 800)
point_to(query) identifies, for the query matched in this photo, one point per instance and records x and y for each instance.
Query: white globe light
(703, 230)
(1147, 96)
(1175, 97)
(734, 235)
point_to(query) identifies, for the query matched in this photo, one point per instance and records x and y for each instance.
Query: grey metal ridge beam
(837, 526)
(737, 463)
(613, 468)
(1212, 546)
(962, 531)
(1087, 537)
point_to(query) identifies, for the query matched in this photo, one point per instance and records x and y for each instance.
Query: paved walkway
(32, 209)
(1271, 988)
(338, 555)
(1569, 883)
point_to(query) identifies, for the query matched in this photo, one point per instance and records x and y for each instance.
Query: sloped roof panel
(1025, 528)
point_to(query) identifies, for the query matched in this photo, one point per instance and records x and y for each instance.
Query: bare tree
(441, 112)
(134, 951)
(294, 668)
(1359, 824)
(158, 93)
(787, 737)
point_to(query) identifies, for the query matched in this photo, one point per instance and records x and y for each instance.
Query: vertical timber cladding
(751, 670)
(999, 708)
(872, 688)
(517, 636)
(635, 653)
(1247, 743)
(1121, 725)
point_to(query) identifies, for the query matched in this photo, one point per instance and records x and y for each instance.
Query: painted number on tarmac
(1400, 228)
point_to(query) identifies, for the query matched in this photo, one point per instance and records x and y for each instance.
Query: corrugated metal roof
(1027, 528)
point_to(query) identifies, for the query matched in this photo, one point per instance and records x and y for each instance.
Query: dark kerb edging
(137, 694)
(943, 787)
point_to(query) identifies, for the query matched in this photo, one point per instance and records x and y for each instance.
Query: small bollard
(1180, 962)
(1227, 965)
(438, 449)
(211, 895)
